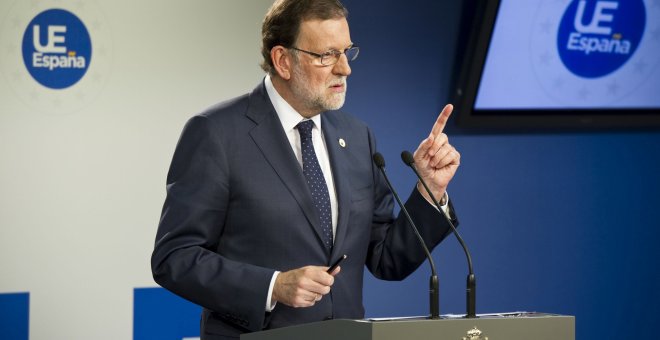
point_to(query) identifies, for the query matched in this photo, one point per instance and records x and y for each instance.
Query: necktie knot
(305, 129)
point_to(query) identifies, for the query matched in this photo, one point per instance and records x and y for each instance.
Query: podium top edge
(507, 315)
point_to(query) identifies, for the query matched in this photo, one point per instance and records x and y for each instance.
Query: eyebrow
(343, 49)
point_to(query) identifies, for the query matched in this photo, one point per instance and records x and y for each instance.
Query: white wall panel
(82, 170)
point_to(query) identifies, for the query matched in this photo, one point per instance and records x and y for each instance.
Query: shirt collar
(288, 116)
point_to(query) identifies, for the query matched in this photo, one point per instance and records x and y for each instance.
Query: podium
(505, 326)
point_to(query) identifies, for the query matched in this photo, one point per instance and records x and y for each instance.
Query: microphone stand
(434, 289)
(471, 289)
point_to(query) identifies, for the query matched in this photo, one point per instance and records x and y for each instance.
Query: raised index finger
(440, 123)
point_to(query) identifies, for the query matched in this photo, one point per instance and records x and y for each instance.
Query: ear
(281, 61)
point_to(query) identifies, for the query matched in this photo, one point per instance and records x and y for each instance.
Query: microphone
(471, 290)
(434, 290)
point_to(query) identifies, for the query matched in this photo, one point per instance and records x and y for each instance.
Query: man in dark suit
(267, 189)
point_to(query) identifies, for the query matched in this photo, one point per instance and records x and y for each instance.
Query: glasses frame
(332, 53)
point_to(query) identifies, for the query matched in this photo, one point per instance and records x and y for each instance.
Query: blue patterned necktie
(315, 180)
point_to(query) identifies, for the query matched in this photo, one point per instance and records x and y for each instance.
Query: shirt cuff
(269, 304)
(444, 207)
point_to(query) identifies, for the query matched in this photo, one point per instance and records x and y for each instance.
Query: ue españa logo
(596, 37)
(57, 49)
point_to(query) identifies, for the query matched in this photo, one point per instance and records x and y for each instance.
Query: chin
(335, 104)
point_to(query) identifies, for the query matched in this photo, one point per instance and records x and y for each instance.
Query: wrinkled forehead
(323, 35)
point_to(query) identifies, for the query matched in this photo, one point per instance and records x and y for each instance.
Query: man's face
(316, 87)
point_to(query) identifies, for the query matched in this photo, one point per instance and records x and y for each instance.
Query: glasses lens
(352, 53)
(330, 58)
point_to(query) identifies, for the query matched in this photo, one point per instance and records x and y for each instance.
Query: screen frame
(480, 25)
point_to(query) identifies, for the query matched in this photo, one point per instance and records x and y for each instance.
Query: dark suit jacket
(238, 208)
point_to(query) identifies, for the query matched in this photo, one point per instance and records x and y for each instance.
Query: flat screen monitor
(562, 64)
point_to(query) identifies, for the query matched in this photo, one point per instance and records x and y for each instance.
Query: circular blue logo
(57, 48)
(596, 37)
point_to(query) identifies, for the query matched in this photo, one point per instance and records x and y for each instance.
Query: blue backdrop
(564, 223)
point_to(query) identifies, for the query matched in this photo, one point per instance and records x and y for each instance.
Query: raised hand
(437, 160)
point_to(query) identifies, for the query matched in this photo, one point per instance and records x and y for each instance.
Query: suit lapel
(338, 161)
(269, 137)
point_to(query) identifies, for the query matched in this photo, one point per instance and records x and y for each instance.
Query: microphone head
(407, 158)
(379, 160)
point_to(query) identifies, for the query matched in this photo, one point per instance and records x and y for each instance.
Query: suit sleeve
(185, 259)
(394, 250)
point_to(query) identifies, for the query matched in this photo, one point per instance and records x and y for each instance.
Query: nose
(342, 68)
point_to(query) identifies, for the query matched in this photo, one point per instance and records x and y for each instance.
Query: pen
(336, 264)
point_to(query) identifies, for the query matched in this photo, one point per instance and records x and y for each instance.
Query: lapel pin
(342, 142)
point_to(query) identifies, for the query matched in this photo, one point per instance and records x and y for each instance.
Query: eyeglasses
(332, 57)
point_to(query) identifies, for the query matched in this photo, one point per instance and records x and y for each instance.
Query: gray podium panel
(515, 326)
